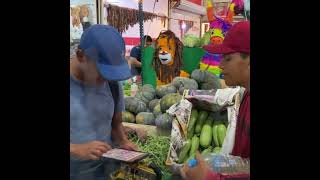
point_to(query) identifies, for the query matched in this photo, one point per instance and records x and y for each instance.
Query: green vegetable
(206, 151)
(215, 135)
(127, 86)
(221, 131)
(216, 150)
(164, 121)
(153, 103)
(201, 119)
(168, 100)
(165, 89)
(182, 83)
(157, 147)
(128, 117)
(184, 152)
(206, 134)
(190, 40)
(146, 93)
(145, 118)
(127, 92)
(202, 76)
(134, 105)
(192, 122)
(194, 145)
(157, 110)
(148, 88)
(211, 84)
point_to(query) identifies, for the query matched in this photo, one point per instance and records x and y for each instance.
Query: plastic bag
(212, 100)
(229, 139)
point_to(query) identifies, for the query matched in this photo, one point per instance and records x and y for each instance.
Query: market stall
(179, 107)
(169, 121)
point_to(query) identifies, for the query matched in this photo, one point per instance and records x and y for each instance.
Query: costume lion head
(168, 56)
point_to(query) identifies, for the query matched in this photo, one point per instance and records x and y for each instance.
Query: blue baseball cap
(104, 45)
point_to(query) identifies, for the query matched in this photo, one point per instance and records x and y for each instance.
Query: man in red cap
(235, 67)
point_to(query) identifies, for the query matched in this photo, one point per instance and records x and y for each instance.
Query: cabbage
(191, 40)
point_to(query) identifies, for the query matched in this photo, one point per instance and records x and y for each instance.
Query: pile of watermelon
(149, 104)
(206, 132)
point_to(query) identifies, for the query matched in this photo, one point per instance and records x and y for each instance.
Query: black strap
(114, 87)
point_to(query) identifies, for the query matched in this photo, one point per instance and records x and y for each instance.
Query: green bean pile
(157, 147)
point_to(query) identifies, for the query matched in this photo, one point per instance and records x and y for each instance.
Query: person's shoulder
(136, 48)
(75, 88)
(135, 51)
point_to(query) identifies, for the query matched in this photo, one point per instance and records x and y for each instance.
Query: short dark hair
(147, 38)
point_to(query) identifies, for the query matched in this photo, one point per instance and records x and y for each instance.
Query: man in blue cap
(96, 102)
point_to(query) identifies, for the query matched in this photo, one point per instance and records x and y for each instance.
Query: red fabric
(237, 40)
(215, 176)
(242, 140)
(235, 177)
(212, 176)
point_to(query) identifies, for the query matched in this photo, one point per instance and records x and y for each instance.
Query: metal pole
(141, 24)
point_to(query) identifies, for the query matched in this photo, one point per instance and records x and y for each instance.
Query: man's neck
(74, 72)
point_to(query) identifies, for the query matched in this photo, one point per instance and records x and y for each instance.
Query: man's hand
(128, 145)
(198, 172)
(90, 151)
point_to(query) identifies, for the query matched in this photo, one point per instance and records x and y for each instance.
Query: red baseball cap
(236, 40)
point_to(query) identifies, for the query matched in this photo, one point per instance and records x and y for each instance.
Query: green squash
(134, 105)
(153, 103)
(145, 96)
(183, 83)
(128, 117)
(149, 88)
(165, 89)
(212, 84)
(168, 100)
(164, 121)
(157, 110)
(202, 76)
(145, 118)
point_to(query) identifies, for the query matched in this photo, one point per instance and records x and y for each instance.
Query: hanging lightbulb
(183, 25)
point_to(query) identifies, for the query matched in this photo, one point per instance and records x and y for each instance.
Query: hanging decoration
(122, 18)
(218, 29)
